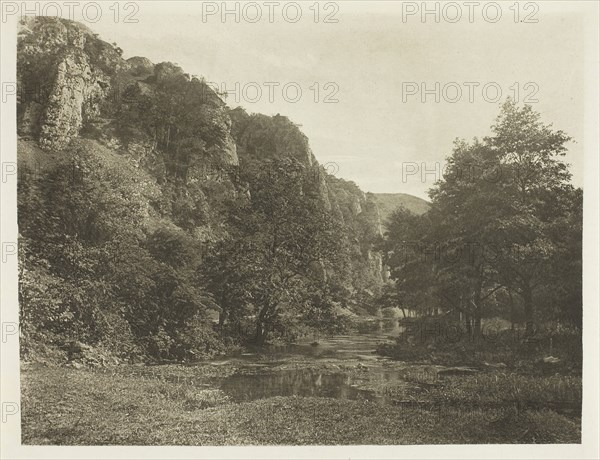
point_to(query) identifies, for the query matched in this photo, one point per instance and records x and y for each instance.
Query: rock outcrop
(71, 99)
(54, 105)
(260, 138)
(175, 128)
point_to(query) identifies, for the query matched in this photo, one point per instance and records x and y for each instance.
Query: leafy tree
(282, 239)
(528, 199)
(462, 227)
(181, 117)
(410, 256)
(504, 220)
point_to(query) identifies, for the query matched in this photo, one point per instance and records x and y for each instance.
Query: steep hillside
(136, 177)
(389, 202)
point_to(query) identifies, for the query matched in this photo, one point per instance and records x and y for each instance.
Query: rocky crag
(75, 86)
(171, 160)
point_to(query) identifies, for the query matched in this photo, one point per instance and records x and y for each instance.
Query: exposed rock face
(262, 137)
(376, 266)
(371, 218)
(74, 84)
(226, 151)
(70, 79)
(71, 100)
(230, 151)
(54, 105)
(139, 66)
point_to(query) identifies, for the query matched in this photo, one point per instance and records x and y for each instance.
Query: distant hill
(389, 202)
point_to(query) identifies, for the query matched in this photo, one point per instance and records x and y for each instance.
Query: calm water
(354, 346)
(292, 382)
(310, 382)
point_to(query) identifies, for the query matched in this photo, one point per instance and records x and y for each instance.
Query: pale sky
(368, 56)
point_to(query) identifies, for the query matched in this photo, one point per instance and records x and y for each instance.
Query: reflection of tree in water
(389, 326)
(299, 382)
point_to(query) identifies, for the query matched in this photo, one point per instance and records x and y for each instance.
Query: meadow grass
(175, 405)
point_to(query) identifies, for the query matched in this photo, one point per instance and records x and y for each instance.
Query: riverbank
(296, 401)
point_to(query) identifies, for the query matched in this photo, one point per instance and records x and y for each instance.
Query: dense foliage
(148, 208)
(503, 235)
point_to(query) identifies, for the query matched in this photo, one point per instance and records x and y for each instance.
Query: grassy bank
(175, 405)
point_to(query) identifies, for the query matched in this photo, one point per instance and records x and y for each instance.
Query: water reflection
(310, 382)
(361, 344)
(389, 327)
(297, 382)
(313, 382)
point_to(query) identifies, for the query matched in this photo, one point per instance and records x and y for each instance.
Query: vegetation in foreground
(177, 405)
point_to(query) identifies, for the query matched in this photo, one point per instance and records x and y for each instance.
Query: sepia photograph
(368, 226)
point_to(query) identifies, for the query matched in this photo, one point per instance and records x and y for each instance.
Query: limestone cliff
(60, 84)
(175, 129)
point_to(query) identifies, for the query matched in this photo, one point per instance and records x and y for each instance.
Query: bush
(88, 271)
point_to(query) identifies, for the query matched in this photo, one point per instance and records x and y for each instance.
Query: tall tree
(528, 198)
(282, 239)
(501, 219)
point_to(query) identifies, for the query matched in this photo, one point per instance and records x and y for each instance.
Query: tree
(504, 220)
(528, 199)
(411, 257)
(461, 219)
(93, 271)
(183, 118)
(282, 239)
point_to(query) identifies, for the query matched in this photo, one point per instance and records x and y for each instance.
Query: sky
(363, 78)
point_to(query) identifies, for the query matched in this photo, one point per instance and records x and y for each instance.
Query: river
(342, 367)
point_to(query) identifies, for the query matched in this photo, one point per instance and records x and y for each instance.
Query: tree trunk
(528, 307)
(477, 326)
(222, 318)
(477, 316)
(477, 304)
(262, 325)
(468, 325)
(260, 335)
